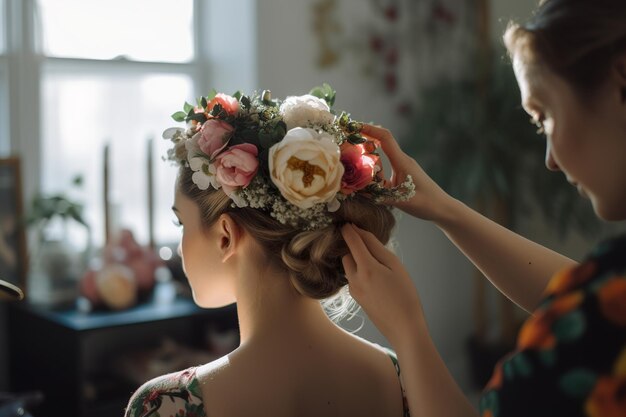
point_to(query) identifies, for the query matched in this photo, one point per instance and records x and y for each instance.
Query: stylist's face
(585, 138)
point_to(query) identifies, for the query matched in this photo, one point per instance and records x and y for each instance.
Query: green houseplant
(55, 264)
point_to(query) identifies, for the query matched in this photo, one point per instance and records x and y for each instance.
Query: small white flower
(173, 132)
(204, 174)
(304, 111)
(178, 138)
(333, 205)
(238, 199)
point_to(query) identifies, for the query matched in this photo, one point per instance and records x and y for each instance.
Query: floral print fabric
(178, 395)
(173, 395)
(571, 354)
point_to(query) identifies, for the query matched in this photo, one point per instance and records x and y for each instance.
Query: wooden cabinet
(68, 354)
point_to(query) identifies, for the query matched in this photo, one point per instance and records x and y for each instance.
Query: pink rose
(359, 167)
(229, 104)
(214, 136)
(237, 166)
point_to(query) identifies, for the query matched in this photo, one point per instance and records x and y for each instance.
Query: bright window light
(141, 30)
(83, 112)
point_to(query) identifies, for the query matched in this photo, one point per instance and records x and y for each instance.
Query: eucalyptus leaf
(179, 116)
(187, 107)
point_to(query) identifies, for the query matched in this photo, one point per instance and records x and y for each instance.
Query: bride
(262, 192)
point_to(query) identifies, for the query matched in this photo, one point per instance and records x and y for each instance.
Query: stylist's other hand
(430, 201)
(380, 284)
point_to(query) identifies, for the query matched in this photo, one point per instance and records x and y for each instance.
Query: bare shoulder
(168, 395)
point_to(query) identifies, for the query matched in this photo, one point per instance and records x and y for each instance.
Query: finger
(387, 141)
(349, 266)
(357, 247)
(376, 248)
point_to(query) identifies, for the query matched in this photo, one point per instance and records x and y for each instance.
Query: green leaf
(547, 357)
(204, 103)
(324, 92)
(271, 135)
(522, 365)
(490, 402)
(281, 129)
(198, 117)
(237, 95)
(245, 101)
(570, 327)
(211, 94)
(218, 111)
(578, 383)
(179, 116)
(187, 107)
(344, 119)
(356, 139)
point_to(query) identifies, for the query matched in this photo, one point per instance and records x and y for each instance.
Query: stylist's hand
(430, 201)
(380, 284)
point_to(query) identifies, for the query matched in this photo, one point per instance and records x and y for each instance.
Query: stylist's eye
(538, 121)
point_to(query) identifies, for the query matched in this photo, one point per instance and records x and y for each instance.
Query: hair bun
(314, 258)
(311, 258)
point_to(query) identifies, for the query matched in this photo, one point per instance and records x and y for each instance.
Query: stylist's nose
(550, 162)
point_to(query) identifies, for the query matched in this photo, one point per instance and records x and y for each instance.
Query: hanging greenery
(476, 141)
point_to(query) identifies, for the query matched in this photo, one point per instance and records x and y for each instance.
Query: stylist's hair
(577, 39)
(312, 258)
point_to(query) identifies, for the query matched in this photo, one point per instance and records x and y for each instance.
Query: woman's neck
(270, 309)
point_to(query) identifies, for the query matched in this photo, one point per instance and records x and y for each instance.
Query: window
(76, 75)
(113, 73)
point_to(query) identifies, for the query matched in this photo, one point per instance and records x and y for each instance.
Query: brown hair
(312, 258)
(577, 39)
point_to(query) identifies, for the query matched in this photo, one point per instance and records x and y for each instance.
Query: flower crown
(294, 158)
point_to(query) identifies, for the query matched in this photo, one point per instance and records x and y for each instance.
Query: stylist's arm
(379, 281)
(518, 267)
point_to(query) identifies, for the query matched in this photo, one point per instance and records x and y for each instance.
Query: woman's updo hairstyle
(312, 258)
(577, 39)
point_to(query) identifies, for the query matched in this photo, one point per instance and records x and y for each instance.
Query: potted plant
(55, 265)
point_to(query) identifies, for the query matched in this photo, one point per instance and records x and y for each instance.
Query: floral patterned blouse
(571, 354)
(178, 395)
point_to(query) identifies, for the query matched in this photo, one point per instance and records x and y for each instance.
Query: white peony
(304, 111)
(306, 168)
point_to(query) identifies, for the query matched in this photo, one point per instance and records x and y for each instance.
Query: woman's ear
(229, 234)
